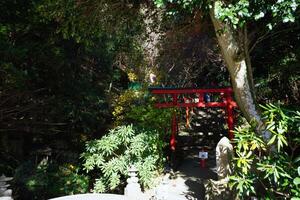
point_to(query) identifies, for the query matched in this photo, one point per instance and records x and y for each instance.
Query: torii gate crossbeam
(181, 98)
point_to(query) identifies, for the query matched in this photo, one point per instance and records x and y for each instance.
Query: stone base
(6, 193)
(133, 191)
(6, 198)
(218, 190)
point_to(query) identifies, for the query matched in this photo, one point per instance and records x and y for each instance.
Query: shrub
(44, 181)
(136, 106)
(148, 116)
(122, 104)
(112, 155)
(8, 163)
(268, 169)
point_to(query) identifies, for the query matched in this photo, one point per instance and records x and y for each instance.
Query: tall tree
(54, 72)
(231, 21)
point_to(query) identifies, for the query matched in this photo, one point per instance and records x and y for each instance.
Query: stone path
(187, 182)
(206, 128)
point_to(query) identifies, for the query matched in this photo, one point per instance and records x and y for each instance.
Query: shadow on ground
(193, 174)
(206, 129)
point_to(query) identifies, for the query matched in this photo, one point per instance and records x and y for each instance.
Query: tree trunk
(233, 45)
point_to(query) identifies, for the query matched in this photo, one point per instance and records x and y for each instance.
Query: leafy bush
(151, 117)
(44, 181)
(136, 106)
(268, 169)
(123, 104)
(112, 155)
(8, 163)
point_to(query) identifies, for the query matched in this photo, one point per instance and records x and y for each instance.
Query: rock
(219, 190)
(224, 152)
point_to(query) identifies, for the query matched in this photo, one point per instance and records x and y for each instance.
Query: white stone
(224, 152)
(133, 188)
(3, 178)
(92, 197)
(6, 198)
(5, 193)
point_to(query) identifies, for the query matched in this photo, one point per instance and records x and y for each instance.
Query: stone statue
(224, 152)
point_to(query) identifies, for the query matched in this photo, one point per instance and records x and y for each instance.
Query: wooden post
(202, 157)
(201, 99)
(229, 111)
(187, 112)
(187, 115)
(173, 133)
(175, 99)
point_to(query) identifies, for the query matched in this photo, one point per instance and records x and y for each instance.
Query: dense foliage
(66, 66)
(268, 170)
(113, 154)
(46, 180)
(142, 144)
(57, 76)
(238, 13)
(47, 74)
(278, 77)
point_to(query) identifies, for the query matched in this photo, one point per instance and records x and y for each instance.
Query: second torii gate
(195, 97)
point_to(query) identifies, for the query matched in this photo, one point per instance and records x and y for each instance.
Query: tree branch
(268, 35)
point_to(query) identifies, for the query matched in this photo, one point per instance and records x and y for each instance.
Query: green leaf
(272, 140)
(296, 181)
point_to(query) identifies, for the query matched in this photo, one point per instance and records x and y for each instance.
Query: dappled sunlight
(114, 96)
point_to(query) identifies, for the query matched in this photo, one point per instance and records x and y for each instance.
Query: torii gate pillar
(181, 99)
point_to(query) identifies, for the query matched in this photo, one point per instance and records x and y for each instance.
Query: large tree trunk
(233, 45)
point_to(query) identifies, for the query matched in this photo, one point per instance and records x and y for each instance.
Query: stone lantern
(133, 188)
(5, 193)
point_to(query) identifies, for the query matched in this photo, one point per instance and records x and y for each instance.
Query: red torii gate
(180, 99)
